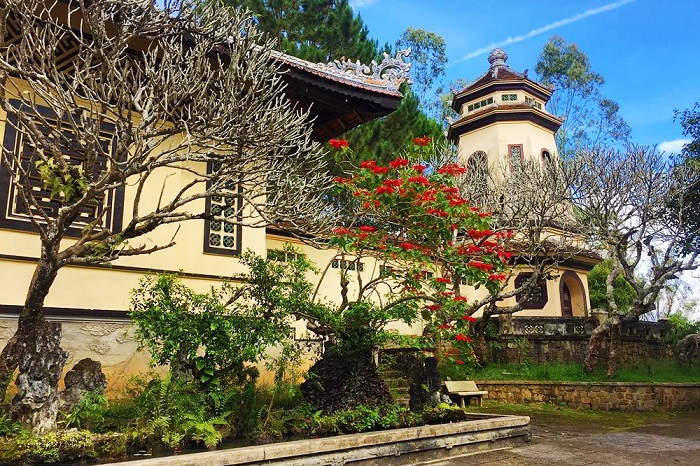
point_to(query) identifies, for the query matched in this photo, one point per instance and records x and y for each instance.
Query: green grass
(647, 371)
(553, 414)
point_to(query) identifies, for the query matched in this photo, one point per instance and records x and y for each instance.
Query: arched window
(477, 167)
(572, 295)
(547, 159)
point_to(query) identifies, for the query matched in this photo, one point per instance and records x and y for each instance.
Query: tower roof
(499, 77)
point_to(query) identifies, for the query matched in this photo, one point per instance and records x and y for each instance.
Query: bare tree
(534, 201)
(124, 93)
(635, 204)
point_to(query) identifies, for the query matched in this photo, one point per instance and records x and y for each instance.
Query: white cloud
(355, 4)
(541, 30)
(673, 147)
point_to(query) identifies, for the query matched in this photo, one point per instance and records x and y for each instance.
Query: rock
(40, 367)
(85, 377)
(688, 348)
(425, 388)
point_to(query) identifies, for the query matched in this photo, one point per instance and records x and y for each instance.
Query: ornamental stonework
(101, 329)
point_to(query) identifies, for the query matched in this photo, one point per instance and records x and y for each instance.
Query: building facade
(502, 116)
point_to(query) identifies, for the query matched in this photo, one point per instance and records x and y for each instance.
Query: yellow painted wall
(109, 340)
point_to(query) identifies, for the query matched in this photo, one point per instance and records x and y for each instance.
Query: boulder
(85, 377)
(688, 349)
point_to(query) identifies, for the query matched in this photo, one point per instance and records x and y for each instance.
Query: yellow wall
(495, 138)
(107, 288)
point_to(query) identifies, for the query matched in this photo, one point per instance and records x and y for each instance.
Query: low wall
(598, 395)
(389, 447)
(542, 349)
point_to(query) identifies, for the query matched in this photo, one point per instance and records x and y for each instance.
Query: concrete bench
(464, 389)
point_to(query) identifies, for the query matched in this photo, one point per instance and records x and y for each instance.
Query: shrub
(213, 337)
(89, 413)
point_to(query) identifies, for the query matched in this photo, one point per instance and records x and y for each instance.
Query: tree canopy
(315, 30)
(590, 119)
(191, 120)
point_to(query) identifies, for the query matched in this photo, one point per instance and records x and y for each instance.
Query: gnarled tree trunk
(40, 367)
(35, 349)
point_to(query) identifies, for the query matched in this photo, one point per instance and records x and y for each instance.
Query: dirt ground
(665, 440)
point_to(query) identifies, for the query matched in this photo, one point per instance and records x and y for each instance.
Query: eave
(502, 113)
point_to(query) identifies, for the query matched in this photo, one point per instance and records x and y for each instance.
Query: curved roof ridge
(384, 77)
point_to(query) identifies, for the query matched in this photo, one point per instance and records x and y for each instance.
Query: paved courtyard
(674, 441)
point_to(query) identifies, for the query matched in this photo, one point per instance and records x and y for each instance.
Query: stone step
(391, 373)
(400, 382)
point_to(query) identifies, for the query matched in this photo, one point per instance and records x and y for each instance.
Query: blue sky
(647, 50)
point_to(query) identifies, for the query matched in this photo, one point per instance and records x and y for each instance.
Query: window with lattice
(515, 151)
(351, 265)
(537, 298)
(15, 211)
(280, 255)
(222, 232)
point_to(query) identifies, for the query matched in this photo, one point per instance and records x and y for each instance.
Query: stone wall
(597, 395)
(541, 349)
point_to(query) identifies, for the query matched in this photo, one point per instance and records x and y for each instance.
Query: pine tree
(315, 30)
(325, 30)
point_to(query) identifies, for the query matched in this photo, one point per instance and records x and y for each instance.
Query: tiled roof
(498, 71)
(370, 78)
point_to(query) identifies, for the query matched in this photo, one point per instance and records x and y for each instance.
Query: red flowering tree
(428, 244)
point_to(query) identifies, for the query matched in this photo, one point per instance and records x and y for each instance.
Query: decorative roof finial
(497, 57)
(391, 72)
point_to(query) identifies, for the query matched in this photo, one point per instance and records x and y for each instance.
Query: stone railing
(580, 326)
(562, 339)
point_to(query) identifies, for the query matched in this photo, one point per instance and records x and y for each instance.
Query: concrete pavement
(673, 441)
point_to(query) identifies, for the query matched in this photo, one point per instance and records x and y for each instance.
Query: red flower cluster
(419, 168)
(367, 228)
(481, 265)
(459, 362)
(419, 179)
(407, 246)
(368, 164)
(424, 141)
(478, 234)
(379, 170)
(446, 326)
(398, 163)
(504, 255)
(468, 318)
(384, 190)
(469, 249)
(338, 143)
(433, 307)
(452, 169)
(341, 231)
(436, 212)
(463, 337)
(443, 280)
(460, 298)
(341, 180)
(497, 277)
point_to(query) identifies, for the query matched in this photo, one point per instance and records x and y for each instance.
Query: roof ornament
(392, 70)
(497, 57)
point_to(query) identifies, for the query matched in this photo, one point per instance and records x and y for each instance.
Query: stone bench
(464, 389)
